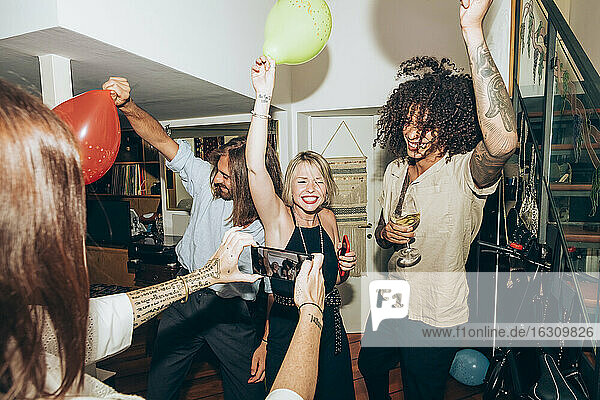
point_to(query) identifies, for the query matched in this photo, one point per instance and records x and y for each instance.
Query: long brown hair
(42, 227)
(244, 211)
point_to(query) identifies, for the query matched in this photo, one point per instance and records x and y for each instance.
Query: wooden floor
(203, 381)
(454, 390)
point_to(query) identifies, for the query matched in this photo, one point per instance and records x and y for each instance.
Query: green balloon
(297, 30)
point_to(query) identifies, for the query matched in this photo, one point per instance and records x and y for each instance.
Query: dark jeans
(424, 369)
(225, 325)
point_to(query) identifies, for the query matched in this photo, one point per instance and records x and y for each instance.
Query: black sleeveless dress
(335, 369)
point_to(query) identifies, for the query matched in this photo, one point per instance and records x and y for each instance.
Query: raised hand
(119, 90)
(472, 13)
(263, 76)
(494, 107)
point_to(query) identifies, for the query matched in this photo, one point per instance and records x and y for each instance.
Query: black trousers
(424, 369)
(225, 325)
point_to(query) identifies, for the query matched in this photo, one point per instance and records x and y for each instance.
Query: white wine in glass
(409, 216)
(410, 220)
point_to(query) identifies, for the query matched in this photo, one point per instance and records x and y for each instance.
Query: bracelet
(263, 339)
(263, 116)
(314, 304)
(187, 290)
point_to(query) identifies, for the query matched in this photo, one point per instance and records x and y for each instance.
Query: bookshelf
(135, 173)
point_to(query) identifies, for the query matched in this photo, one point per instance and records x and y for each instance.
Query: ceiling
(162, 91)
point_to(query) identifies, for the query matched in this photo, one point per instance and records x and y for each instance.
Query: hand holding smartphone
(277, 263)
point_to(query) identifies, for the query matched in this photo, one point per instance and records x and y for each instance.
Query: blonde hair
(316, 160)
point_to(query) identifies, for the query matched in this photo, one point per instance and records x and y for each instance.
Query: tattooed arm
(494, 107)
(222, 268)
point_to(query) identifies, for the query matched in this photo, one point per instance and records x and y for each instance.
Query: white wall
(18, 17)
(214, 40)
(217, 40)
(370, 38)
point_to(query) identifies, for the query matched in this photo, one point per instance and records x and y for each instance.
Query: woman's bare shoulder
(328, 220)
(327, 216)
(329, 223)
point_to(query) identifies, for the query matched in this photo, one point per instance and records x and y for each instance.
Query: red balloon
(92, 116)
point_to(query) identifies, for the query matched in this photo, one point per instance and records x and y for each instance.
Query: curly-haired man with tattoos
(452, 135)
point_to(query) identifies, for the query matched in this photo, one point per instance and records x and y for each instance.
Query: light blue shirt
(209, 220)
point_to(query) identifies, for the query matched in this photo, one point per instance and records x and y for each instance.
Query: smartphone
(345, 246)
(343, 250)
(277, 263)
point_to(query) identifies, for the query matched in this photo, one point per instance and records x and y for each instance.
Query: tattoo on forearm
(150, 301)
(316, 321)
(204, 276)
(485, 66)
(499, 102)
(264, 98)
(485, 168)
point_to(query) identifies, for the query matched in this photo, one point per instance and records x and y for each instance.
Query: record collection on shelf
(129, 180)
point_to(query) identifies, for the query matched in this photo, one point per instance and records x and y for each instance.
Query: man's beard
(223, 192)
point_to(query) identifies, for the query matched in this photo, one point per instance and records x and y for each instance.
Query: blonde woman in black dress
(299, 221)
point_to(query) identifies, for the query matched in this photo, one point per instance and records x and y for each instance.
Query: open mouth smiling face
(419, 144)
(308, 187)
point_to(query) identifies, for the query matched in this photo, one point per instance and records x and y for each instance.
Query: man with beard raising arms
(221, 316)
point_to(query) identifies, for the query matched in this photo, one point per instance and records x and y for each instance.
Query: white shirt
(110, 328)
(451, 208)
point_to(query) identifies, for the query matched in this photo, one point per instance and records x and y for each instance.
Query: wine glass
(408, 215)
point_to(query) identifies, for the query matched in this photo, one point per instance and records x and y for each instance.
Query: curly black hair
(440, 98)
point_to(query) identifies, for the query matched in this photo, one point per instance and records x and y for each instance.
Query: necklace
(320, 235)
(306, 220)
